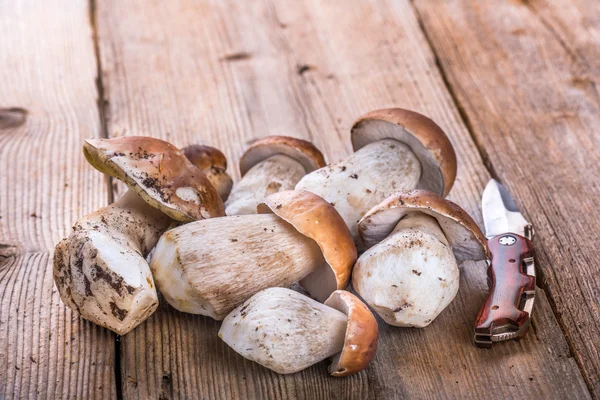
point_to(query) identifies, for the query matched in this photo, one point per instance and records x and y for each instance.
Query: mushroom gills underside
(275, 174)
(211, 266)
(411, 276)
(284, 331)
(366, 178)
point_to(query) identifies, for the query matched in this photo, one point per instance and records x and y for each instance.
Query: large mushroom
(211, 266)
(396, 150)
(409, 273)
(100, 269)
(287, 332)
(270, 165)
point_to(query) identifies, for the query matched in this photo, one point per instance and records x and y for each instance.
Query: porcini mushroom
(209, 267)
(270, 165)
(214, 165)
(100, 269)
(409, 273)
(396, 150)
(287, 332)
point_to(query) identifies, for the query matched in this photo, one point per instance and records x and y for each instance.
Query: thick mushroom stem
(274, 174)
(211, 266)
(284, 331)
(100, 269)
(410, 276)
(363, 180)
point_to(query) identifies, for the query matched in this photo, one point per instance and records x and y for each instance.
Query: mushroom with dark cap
(270, 165)
(396, 150)
(214, 165)
(100, 269)
(287, 332)
(209, 267)
(409, 273)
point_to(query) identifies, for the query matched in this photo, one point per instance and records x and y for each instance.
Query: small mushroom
(211, 266)
(270, 165)
(214, 165)
(100, 270)
(396, 150)
(287, 332)
(409, 273)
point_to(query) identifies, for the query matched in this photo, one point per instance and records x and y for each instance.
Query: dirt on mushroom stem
(284, 331)
(100, 269)
(411, 276)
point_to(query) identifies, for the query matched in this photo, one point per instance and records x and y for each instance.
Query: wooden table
(513, 83)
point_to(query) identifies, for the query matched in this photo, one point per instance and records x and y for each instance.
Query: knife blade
(506, 313)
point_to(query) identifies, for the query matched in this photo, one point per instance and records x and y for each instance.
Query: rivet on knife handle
(511, 275)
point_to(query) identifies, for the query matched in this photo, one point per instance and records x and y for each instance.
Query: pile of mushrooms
(232, 252)
(100, 270)
(211, 266)
(396, 150)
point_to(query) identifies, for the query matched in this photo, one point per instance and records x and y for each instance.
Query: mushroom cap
(316, 219)
(362, 333)
(463, 234)
(214, 165)
(300, 150)
(160, 173)
(425, 138)
(205, 157)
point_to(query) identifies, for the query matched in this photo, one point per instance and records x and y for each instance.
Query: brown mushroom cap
(462, 233)
(362, 333)
(300, 150)
(205, 157)
(316, 219)
(159, 172)
(213, 163)
(425, 138)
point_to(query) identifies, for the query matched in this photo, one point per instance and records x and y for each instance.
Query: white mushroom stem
(410, 276)
(284, 331)
(274, 174)
(210, 266)
(100, 268)
(365, 179)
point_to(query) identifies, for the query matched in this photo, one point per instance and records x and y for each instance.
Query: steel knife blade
(506, 313)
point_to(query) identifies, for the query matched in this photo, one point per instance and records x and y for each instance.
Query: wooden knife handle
(508, 281)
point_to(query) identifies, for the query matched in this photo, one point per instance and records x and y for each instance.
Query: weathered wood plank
(47, 107)
(224, 73)
(525, 74)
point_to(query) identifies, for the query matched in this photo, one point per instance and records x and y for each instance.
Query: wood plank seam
(102, 104)
(541, 283)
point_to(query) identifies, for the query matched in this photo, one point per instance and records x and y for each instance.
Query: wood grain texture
(525, 74)
(224, 73)
(47, 107)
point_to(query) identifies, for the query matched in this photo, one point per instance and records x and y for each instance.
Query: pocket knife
(506, 313)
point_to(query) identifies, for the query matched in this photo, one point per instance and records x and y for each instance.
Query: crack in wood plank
(460, 84)
(103, 112)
